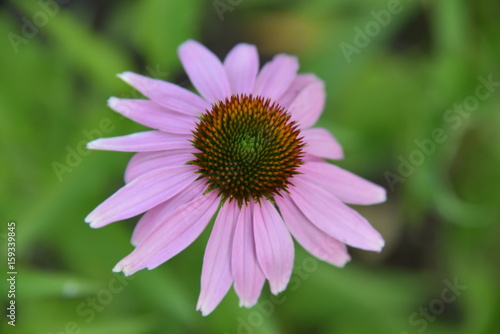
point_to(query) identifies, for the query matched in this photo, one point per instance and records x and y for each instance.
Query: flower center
(248, 148)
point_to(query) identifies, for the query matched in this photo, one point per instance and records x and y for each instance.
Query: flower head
(243, 151)
(248, 149)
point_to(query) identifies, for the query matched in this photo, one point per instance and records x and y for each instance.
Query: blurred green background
(406, 98)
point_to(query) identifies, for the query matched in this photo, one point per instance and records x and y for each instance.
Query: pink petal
(142, 142)
(321, 143)
(274, 246)
(242, 65)
(144, 162)
(333, 217)
(167, 94)
(216, 276)
(153, 115)
(205, 71)
(142, 194)
(308, 105)
(276, 76)
(300, 82)
(152, 218)
(309, 236)
(172, 235)
(311, 158)
(345, 185)
(247, 275)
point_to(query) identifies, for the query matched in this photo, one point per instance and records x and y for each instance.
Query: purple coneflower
(246, 149)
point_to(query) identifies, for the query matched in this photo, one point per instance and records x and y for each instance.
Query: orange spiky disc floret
(249, 148)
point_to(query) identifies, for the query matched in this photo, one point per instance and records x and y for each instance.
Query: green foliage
(385, 101)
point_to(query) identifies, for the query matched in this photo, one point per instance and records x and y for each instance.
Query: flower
(244, 148)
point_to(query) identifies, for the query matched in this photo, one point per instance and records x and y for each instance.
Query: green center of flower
(248, 148)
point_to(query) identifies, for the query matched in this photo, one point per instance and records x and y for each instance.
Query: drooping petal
(315, 241)
(309, 104)
(152, 218)
(172, 235)
(276, 76)
(216, 278)
(312, 158)
(274, 246)
(144, 162)
(153, 115)
(346, 186)
(321, 143)
(333, 217)
(247, 275)
(167, 94)
(142, 194)
(146, 141)
(242, 65)
(300, 82)
(205, 71)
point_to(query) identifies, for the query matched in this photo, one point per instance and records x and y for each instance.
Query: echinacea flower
(244, 147)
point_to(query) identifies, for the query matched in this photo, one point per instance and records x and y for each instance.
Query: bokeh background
(392, 81)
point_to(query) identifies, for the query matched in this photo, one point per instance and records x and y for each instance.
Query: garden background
(413, 97)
